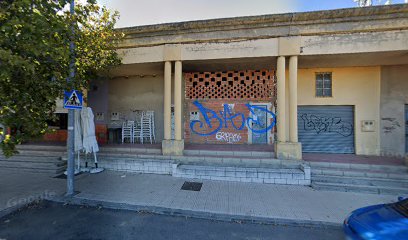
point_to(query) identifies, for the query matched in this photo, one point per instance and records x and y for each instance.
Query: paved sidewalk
(19, 188)
(238, 200)
(217, 199)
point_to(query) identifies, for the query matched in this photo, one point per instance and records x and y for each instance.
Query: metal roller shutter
(406, 128)
(326, 129)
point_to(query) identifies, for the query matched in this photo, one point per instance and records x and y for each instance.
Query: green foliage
(35, 57)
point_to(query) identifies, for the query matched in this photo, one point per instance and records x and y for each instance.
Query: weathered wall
(138, 93)
(360, 87)
(394, 96)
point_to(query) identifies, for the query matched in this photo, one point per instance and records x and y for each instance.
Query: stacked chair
(147, 128)
(127, 131)
(141, 131)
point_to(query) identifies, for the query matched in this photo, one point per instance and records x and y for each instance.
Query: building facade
(323, 82)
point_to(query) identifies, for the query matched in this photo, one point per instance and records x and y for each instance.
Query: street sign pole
(71, 117)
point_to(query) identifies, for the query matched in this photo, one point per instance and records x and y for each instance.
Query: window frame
(323, 88)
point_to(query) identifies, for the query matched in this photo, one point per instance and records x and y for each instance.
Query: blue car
(385, 221)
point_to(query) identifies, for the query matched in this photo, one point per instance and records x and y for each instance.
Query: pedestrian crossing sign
(72, 99)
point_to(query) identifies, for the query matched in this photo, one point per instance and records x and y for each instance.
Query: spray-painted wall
(234, 107)
(394, 96)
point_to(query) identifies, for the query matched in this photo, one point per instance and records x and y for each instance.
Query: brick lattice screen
(243, 85)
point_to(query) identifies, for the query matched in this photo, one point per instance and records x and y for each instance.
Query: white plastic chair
(127, 131)
(147, 128)
(137, 132)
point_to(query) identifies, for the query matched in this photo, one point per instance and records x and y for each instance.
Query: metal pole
(71, 112)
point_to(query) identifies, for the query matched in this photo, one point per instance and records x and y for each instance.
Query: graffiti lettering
(228, 137)
(214, 122)
(390, 124)
(323, 124)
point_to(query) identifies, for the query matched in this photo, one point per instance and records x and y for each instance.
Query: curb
(196, 214)
(10, 210)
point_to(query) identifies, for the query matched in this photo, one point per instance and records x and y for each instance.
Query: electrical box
(114, 116)
(194, 116)
(100, 116)
(368, 126)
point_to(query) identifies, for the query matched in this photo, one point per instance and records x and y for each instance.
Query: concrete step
(359, 173)
(41, 153)
(129, 150)
(49, 165)
(361, 181)
(229, 153)
(352, 166)
(42, 147)
(32, 158)
(52, 172)
(359, 188)
(244, 174)
(206, 160)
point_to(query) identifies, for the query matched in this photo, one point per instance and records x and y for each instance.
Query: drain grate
(192, 186)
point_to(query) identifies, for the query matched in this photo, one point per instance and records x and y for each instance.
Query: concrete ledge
(289, 46)
(173, 147)
(288, 150)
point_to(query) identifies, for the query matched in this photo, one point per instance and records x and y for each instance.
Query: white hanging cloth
(88, 131)
(78, 132)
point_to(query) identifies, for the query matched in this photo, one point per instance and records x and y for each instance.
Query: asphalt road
(50, 220)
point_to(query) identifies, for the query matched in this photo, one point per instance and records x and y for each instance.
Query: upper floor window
(323, 84)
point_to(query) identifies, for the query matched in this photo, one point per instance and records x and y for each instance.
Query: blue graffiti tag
(250, 120)
(208, 115)
(229, 117)
(213, 120)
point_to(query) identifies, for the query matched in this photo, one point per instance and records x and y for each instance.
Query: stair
(36, 158)
(366, 178)
(256, 167)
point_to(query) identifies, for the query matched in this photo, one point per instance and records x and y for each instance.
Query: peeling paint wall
(394, 96)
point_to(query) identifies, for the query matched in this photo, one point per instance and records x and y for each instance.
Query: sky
(141, 12)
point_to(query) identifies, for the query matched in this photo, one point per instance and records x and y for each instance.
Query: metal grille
(192, 186)
(326, 129)
(406, 128)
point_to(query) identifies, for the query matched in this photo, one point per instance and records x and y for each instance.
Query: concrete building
(323, 82)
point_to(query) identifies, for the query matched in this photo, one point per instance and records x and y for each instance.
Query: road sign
(73, 99)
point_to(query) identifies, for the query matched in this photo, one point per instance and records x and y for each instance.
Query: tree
(34, 59)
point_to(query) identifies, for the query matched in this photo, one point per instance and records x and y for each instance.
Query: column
(293, 116)
(177, 100)
(167, 100)
(281, 112)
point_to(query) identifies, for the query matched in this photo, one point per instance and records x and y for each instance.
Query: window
(323, 84)
(60, 122)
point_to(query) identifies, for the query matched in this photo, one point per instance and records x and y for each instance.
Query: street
(49, 220)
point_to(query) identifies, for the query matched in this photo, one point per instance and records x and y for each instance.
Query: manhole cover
(192, 186)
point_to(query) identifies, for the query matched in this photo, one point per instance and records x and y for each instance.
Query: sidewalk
(233, 200)
(217, 199)
(20, 188)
